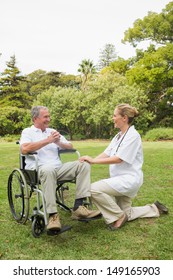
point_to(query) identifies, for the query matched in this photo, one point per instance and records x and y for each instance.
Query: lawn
(142, 239)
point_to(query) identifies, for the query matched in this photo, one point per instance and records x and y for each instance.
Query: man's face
(43, 120)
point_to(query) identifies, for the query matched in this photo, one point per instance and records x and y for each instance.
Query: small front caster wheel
(38, 226)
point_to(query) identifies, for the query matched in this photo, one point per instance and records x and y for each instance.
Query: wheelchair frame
(22, 183)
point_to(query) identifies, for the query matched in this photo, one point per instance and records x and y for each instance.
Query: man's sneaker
(54, 223)
(83, 213)
(162, 208)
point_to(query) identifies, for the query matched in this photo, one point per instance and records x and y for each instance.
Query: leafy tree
(107, 55)
(104, 94)
(89, 113)
(40, 80)
(154, 27)
(65, 108)
(14, 99)
(86, 68)
(11, 82)
(154, 73)
(69, 81)
(12, 120)
(119, 66)
(153, 69)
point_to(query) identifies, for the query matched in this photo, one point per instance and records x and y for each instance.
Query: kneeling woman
(113, 196)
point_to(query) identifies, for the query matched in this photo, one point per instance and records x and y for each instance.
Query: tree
(86, 68)
(120, 65)
(12, 120)
(154, 27)
(88, 113)
(65, 108)
(153, 68)
(14, 100)
(11, 86)
(69, 81)
(103, 94)
(9, 82)
(40, 80)
(154, 73)
(107, 55)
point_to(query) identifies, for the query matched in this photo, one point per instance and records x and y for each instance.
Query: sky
(56, 35)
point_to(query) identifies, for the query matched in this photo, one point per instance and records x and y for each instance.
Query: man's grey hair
(35, 111)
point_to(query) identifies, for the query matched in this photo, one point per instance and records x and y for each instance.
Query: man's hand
(54, 137)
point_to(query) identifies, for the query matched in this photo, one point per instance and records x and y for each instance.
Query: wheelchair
(23, 183)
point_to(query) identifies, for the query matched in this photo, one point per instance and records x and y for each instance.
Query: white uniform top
(47, 154)
(126, 177)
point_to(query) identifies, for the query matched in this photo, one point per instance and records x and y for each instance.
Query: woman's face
(119, 121)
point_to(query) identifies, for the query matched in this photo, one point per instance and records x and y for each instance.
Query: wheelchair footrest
(99, 216)
(56, 232)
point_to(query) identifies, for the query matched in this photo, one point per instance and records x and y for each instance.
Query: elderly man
(46, 141)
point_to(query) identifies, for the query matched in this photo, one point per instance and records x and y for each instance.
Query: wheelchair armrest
(68, 151)
(22, 159)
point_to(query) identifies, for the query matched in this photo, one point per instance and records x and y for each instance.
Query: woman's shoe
(119, 223)
(162, 208)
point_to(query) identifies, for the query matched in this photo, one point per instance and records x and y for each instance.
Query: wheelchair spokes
(18, 196)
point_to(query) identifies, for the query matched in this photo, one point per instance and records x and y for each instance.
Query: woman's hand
(86, 158)
(101, 159)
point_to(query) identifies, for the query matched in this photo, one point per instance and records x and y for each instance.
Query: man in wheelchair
(46, 141)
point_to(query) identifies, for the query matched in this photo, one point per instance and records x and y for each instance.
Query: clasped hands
(54, 137)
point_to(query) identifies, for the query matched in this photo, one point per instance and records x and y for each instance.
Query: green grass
(142, 239)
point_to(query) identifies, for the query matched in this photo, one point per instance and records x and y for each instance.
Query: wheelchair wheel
(18, 196)
(38, 226)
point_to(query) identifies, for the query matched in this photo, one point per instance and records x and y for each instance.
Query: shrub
(12, 120)
(157, 134)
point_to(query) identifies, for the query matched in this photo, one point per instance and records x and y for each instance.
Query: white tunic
(126, 177)
(48, 153)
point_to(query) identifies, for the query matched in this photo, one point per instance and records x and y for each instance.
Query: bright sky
(56, 35)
